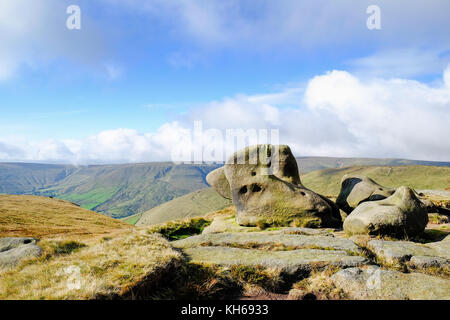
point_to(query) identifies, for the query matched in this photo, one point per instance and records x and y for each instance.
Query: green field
(132, 219)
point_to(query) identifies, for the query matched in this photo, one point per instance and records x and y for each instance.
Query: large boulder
(217, 180)
(400, 215)
(265, 187)
(356, 189)
(14, 250)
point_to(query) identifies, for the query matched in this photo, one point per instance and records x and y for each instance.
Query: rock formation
(356, 189)
(14, 250)
(265, 187)
(402, 214)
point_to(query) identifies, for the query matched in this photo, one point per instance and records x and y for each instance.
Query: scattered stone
(268, 240)
(217, 180)
(266, 188)
(14, 250)
(373, 283)
(296, 294)
(289, 262)
(400, 215)
(356, 189)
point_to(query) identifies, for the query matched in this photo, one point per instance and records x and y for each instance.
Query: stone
(14, 250)
(290, 262)
(373, 283)
(399, 252)
(423, 262)
(266, 188)
(227, 224)
(275, 239)
(400, 215)
(356, 189)
(217, 180)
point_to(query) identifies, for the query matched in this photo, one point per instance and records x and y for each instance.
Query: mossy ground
(181, 229)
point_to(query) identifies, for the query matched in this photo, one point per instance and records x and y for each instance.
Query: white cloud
(337, 114)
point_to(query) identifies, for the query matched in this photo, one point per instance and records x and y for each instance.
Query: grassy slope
(124, 190)
(46, 218)
(327, 181)
(194, 204)
(114, 259)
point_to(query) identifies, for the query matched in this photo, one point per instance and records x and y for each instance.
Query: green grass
(132, 219)
(328, 181)
(92, 199)
(177, 230)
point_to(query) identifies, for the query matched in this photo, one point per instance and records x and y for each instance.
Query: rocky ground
(325, 264)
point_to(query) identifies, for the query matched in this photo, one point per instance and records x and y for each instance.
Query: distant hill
(115, 190)
(124, 190)
(327, 181)
(45, 218)
(195, 204)
(309, 164)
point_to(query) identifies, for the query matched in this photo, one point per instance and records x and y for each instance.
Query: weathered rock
(400, 252)
(286, 261)
(265, 187)
(14, 250)
(423, 262)
(373, 283)
(402, 214)
(274, 239)
(217, 180)
(356, 189)
(227, 224)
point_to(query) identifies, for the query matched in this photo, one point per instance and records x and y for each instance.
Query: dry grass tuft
(121, 267)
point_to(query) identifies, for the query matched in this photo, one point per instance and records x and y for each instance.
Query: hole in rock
(243, 190)
(255, 188)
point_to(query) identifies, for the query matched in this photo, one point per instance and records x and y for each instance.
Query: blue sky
(130, 82)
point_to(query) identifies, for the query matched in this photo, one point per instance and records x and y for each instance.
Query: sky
(132, 82)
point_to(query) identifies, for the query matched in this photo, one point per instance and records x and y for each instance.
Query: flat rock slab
(287, 261)
(403, 251)
(268, 239)
(227, 224)
(373, 283)
(14, 250)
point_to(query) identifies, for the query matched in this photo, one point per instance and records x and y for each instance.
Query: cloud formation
(335, 114)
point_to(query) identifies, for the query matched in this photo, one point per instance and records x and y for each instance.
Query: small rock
(14, 250)
(423, 262)
(356, 189)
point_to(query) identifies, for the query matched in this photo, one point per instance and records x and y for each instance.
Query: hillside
(195, 204)
(45, 218)
(309, 164)
(327, 181)
(114, 190)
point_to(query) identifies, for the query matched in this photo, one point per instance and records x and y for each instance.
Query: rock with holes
(266, 188)
(14, 250)
(356, 189)
(401, 215)
(217, 180)
(373, 283)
